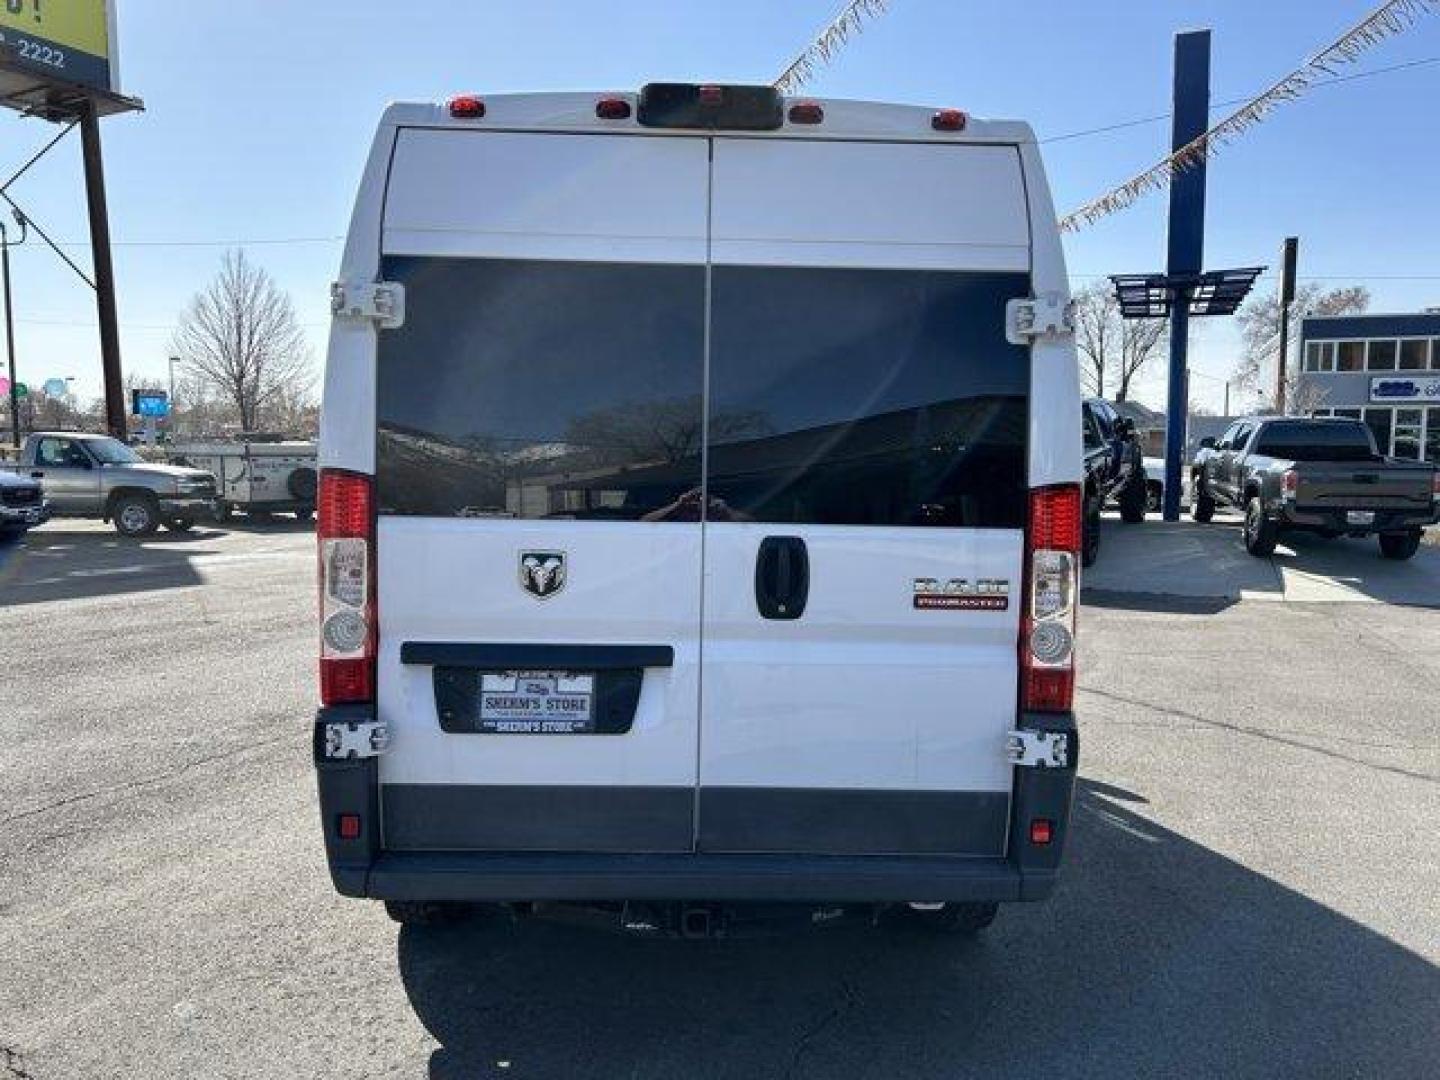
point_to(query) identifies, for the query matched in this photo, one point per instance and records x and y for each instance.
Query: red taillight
(467, 107)
(1435, 482)
(806, 112)
(949, 120)
(612, 108)
(1056, 518)
(345, 530)
(712, 97)
(347, 826)
(1042, 831)
(1289, 484)
(1047, 643)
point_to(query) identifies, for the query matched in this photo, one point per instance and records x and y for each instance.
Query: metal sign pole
(1289, 256)
(104, 270)
(1186, 241)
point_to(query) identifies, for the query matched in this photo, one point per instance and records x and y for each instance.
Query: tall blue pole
(1186, 241)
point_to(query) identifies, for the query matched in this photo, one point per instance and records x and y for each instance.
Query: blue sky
(257, 124)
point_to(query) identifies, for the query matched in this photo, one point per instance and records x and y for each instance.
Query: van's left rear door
(538, 464)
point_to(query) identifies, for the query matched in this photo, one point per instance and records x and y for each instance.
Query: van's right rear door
(538, 470)
(867, 488)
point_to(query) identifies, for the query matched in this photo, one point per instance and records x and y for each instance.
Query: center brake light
(717, 108)
(1047, 645)
(345, 530)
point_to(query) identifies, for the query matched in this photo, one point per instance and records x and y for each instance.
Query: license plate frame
(536, 702)
(1359, 517)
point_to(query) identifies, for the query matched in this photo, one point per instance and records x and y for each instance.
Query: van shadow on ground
(1157, 957)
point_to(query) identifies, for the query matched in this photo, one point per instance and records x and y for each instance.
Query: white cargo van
(699, 509)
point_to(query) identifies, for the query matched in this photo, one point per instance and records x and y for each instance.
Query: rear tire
(1090, 534)
(1154, 497)
(966, 920)
(135, 515)
(1260, 533)
(1134, 499)
(1400, 545)
(1204, 507)
(426, 912)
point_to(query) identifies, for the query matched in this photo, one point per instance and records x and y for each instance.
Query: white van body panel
(1054, 366)
(863, 691)
(621, 577)
(541, 196)
(826, 203)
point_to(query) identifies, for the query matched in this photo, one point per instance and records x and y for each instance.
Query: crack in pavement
(849, 1000)
(14, 1063)
(1240, 729)
(146, 781)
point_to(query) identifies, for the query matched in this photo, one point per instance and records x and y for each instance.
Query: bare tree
(1141, 340)
(239, 338)
(1097, 318)
(1108, 343)
(1259, 321)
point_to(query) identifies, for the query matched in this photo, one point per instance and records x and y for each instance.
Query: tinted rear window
(535, 389)
(866, 397)
(1311, 440)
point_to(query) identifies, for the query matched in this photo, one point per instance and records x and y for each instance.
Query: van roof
(843, 119)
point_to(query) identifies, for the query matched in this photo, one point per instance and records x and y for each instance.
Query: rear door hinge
(1044, 316)
(382, 302)
(356, 739)
(1039, 749)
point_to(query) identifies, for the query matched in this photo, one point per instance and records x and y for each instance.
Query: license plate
(1359, 517)
(537, 703)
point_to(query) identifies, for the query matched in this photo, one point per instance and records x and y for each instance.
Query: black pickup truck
(1114, 470)
(1315, 475)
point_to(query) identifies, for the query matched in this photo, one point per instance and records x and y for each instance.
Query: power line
(1233, 101)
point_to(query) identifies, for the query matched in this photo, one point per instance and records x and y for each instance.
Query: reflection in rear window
(866, 397)
(1316, 440)
(526, 389)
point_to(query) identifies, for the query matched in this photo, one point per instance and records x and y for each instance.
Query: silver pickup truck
(99, 477)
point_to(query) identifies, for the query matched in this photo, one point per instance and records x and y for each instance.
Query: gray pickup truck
(100, 477)
(1315, 475)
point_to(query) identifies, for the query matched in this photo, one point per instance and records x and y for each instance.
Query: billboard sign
(67, 42)
(151, 404)
(1405, 388)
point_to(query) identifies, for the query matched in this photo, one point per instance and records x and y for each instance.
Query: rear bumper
(1331, 520)
(361, 867)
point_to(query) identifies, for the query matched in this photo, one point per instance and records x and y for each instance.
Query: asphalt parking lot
(1251, 890)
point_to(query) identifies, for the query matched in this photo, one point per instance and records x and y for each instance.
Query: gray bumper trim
(797, 878)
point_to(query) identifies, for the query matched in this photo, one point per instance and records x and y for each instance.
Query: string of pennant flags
(847, 23)
(1389, 19)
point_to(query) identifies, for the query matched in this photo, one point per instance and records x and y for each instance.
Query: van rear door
(538, 471)
(867, 489)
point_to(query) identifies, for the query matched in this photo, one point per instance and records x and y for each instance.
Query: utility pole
(104, 269)
(1289, 256)
(10, 327)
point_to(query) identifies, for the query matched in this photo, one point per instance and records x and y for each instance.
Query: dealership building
(1383, 369)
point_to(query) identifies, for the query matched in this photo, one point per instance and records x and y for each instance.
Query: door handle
(782, 577)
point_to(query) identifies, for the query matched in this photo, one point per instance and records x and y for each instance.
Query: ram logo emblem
(542, 573)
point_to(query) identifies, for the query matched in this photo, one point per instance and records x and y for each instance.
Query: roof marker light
(806, 112)
(467, 107)
(949, 120)
(612, 108)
